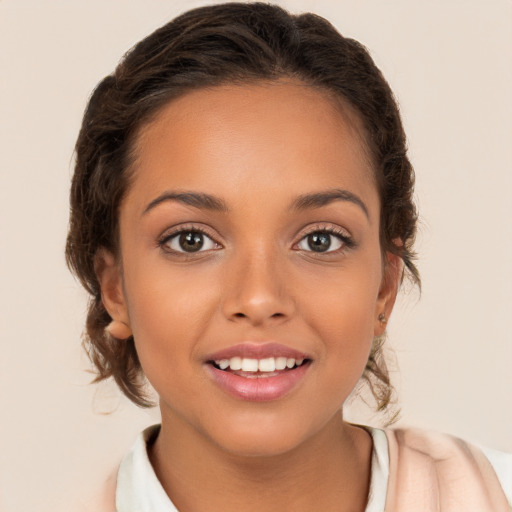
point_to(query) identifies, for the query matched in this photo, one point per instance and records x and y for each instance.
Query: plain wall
(450, 65)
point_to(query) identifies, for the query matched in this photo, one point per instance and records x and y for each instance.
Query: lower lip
(259, 389)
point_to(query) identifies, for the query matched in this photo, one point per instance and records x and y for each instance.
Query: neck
(330, 471)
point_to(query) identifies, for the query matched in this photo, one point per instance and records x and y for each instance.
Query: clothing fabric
(411, 471)
(432, 472)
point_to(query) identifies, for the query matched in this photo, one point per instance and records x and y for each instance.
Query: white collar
(138, 488)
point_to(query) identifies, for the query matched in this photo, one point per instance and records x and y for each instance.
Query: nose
(257, 290)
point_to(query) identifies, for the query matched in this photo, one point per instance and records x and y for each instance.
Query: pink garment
(430, 472)
(106, 501)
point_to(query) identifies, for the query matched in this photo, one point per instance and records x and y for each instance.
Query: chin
(259, 446)
(258, 437)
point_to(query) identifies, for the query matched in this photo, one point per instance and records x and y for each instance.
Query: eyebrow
(319, 199)
(304, 202)
(195, 199)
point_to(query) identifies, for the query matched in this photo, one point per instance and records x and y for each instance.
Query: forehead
(253, 137)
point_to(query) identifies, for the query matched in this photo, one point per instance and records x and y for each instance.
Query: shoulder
(138, 488)
(133, 485)
(502, 465)
(434, 468)
(104, 498)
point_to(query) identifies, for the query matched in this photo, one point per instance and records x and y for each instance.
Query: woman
(242, 216)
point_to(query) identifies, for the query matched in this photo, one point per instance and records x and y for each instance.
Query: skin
(257, 148)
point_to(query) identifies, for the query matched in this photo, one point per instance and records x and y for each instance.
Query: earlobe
(388, 292)
(109, 276)
(119, 330)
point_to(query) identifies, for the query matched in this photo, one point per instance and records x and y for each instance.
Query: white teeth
(280, 363)
(235, 363)
(268, 364)
(249, 365)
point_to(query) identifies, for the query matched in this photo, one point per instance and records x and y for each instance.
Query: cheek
(342, 302)
(169, 311)
(341, 310)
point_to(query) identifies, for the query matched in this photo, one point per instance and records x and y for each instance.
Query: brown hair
(226, 43)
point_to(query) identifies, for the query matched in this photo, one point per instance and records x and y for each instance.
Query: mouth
(258, 373)
(252, 368)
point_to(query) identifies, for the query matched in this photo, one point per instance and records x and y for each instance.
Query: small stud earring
(382, 318)
(118, 330)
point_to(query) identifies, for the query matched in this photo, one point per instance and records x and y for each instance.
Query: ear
(109, 274)
(391, 278)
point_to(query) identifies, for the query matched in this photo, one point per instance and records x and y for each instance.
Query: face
(250, 270)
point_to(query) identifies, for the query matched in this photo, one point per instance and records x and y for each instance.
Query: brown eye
(190, 241)
(320, 241)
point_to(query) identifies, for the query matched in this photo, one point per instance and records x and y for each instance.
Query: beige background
(449, 63)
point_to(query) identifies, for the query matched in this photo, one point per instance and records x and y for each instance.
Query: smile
(249, 371)
(257, 366)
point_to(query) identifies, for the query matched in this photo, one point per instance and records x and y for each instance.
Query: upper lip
(253, 350)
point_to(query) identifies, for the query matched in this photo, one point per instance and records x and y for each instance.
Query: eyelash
(346, 240)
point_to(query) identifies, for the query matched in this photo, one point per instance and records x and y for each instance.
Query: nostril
(244, 315)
